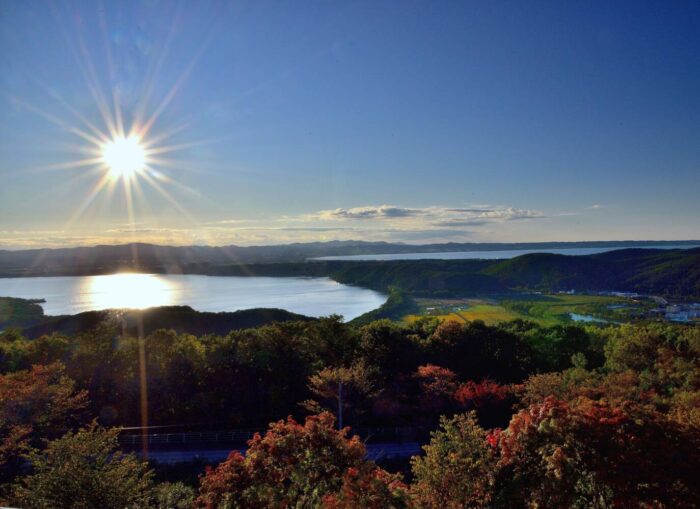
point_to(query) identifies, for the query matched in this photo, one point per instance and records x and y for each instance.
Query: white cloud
(382, 222)
(367, 212)
(437, 215)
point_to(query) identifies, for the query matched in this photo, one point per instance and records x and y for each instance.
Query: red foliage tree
(588, 453)
(492, 402)
(477, 395)
(296, 465)
(39, 403)
(436, 380)
(369, 488)
(437, 386)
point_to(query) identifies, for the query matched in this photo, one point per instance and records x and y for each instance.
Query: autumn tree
(437, 387)
(295, 465)
(368, 487)
(35, 404)
(587, 453)
(491, 401)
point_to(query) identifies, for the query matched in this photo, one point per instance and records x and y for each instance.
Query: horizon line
(357, 241)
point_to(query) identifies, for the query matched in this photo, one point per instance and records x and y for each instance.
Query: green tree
(390, 347)
(358, 385)
(84, 470)
(173, 496)
(476, 351)
(457, 470)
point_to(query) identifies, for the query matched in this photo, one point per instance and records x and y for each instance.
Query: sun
(124, 156)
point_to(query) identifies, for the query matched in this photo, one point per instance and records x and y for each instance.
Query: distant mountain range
(171, 259)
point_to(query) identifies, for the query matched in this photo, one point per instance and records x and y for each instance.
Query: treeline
(560, 416)
(249, 377)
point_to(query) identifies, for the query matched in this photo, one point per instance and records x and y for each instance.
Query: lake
(490, 255)
(307, 296)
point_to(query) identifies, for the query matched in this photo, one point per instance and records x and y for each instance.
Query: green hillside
(673, 273)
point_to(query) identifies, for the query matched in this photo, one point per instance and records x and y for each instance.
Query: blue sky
(400, 121)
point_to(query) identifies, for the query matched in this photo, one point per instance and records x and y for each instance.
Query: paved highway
(212, 456)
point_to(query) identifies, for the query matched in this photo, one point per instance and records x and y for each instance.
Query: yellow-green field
(488, 313)
(544, 309)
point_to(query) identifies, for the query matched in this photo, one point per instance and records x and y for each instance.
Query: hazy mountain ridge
(175, 259)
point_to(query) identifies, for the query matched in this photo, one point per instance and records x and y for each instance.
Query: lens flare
(124, 156)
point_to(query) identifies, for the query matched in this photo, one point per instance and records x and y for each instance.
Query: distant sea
(492, 255)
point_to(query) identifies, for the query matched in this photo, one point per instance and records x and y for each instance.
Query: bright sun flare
(125, 290)
(124, 156)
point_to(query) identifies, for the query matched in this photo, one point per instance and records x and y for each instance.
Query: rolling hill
(132, 321)
(651, 271)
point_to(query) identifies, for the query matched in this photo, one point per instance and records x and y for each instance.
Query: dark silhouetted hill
(178, 318)
(19, 312)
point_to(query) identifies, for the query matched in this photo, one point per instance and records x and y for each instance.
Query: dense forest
(521, 415)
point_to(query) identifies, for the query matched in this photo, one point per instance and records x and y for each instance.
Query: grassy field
(489, 313)
(544, 309)
(462, 310)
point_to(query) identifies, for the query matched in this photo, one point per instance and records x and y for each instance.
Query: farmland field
(543, 309)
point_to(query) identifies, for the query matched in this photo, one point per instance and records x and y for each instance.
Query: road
(380, 451)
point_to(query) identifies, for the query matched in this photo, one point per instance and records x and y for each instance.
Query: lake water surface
(308, 296)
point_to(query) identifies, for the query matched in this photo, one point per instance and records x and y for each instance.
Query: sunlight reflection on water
(136, 291)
